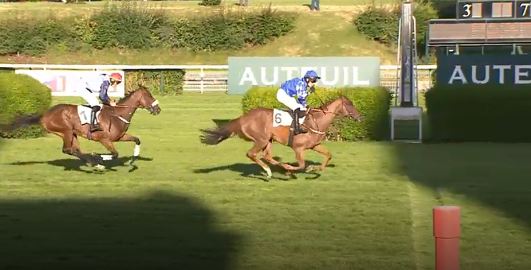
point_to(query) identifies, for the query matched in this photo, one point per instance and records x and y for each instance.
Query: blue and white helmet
(312, 74)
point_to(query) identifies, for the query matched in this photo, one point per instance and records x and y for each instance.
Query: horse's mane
(323, 107)
(128, 95)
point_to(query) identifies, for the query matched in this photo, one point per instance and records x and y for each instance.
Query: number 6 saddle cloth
(283, 118)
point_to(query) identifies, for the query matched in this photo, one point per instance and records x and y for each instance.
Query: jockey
(102, 82)
(297, 87)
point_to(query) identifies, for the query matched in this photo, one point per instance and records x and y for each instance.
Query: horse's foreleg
(252, 154)
(299, 155)
(129, 138)
(110, 147)
(327, 157)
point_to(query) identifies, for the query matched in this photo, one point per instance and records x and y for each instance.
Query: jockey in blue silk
(103, 82)
(299, 88)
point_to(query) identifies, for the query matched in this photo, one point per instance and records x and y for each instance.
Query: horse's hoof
(99, 167)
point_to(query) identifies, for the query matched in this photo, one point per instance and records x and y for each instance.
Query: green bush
(372, 103)
(379, 24)
(268, 24)
(127, 26)
(479, 113)
(21, 95)
(382, 24)
(210, 2)
(160, 82)
(34, 37)
(225, 31)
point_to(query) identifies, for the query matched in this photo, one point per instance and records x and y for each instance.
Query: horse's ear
(141, 87)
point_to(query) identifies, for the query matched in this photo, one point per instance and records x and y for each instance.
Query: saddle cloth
(84, 114)
(283, 118)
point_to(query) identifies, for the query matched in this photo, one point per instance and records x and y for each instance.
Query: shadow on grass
(255, 171)
(495, 175)
(158, 231)
(74, 164)
(220, 122)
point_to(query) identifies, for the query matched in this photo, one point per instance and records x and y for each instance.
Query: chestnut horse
(63, 120)
(257, 125)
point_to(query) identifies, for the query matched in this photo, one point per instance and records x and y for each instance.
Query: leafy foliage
(210, 2)
(34, 37)
(372, 103)
(160, 82)
(21, 95)
(225, 31)
(129, 26)
(382, 24)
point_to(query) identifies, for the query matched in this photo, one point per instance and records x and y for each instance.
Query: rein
(313, 119)
(156, 102)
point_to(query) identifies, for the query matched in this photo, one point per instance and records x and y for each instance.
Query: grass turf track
(190, 206)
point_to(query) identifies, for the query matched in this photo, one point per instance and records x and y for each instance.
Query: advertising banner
(507, 70)
(69, 82)
(245, 72)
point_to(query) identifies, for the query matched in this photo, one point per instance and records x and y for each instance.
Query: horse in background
(257, 126)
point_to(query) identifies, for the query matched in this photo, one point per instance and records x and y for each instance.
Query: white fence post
(202, 75)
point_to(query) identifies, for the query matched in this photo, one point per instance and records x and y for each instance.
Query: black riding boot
(94, 126)
(298, 114)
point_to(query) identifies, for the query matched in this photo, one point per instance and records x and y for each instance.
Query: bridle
(318, 131)
(151, 109)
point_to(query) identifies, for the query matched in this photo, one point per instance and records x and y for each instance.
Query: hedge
(128, 25)
(372, 103)
(479, 113)
(382, 24)
(22, 95)
(159, 82)
(210, 2)
(34, 37)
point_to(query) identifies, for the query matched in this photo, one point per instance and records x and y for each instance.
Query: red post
(446, 230)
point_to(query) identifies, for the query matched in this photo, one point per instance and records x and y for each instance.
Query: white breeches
(288, 101)
(89, 97)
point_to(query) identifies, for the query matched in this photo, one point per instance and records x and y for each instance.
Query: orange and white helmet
(116, 76)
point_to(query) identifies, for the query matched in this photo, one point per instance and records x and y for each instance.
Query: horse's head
(147, 101)
(348, 109)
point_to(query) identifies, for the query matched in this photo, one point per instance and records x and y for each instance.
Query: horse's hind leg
(253, 153)
(299, 155)
(268, 154)
(71, 147)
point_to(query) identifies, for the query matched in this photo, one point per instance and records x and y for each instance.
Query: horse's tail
(21, 122)
(217, 135)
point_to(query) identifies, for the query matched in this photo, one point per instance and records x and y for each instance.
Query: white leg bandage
(136, 152)
(106, 157)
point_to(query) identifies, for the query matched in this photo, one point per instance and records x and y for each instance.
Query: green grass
(189, 206)
(326, 33)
